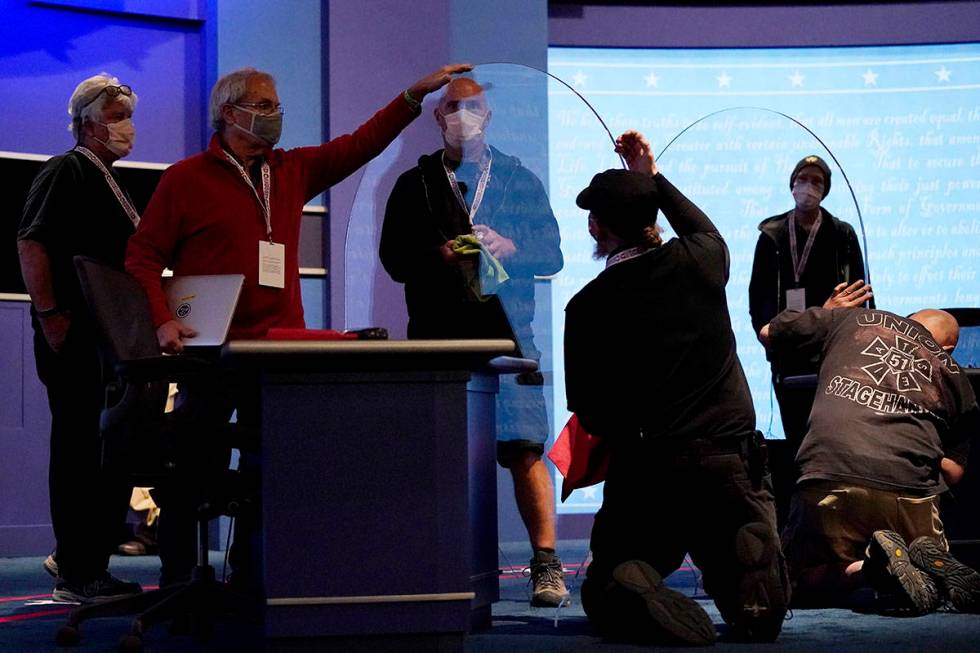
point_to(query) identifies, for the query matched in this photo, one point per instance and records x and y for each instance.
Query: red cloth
(308, 334)
(204, 219)
(581, 457)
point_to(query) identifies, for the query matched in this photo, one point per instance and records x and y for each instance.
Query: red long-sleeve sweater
(203, 218)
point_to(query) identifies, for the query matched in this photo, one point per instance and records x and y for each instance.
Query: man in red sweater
(241, 200)
(236, 208)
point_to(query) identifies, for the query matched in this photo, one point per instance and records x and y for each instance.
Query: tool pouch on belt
(756, 456)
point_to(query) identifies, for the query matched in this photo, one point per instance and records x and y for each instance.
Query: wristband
(48, 312)
(414, 104)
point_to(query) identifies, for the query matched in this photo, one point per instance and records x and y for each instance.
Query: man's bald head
(943, 326)
(462, 93)
(463, 116)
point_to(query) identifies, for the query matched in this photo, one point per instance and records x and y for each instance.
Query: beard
(601, 251)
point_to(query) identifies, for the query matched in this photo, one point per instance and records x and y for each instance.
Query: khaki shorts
(831, 523)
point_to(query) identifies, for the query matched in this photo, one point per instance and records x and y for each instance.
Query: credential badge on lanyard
(124, 202)
(272, 255)
(796, 296)
(481, 186)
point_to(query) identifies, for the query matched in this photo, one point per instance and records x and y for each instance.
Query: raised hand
(637, 151)
(436, 80)
(847, 296)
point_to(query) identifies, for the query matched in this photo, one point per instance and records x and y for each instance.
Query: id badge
(272, 264)
(796, 299)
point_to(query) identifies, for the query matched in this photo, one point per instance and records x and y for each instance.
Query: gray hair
(84, 92)
(229, 90)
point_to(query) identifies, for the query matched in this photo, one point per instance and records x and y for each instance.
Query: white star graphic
(796, 79)
(652, 79)
(724, 80)
(579, 79)
(870, 78)
(942, 75)
(589, 492)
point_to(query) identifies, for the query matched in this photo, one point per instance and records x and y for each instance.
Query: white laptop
(205, 303)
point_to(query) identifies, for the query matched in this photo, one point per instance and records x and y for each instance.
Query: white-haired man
(78, 205)
(236, 208)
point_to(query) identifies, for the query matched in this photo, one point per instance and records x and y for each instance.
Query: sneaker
(672, 612)
(889, 570)
(763, 591)
(547, 580)
(51, 565)
(106, 588)
(959, 583)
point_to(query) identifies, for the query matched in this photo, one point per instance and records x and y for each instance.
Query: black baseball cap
(812, 160)
(625, 201)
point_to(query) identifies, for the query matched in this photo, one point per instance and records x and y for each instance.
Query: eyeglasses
(265, 107)
(111, 91)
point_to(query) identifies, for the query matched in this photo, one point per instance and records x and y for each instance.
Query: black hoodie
(423, 213)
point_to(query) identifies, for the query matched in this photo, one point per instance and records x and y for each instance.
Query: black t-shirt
(649, 343)
(71, 210)
(889, 405)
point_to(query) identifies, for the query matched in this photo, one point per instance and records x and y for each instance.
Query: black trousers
(88, 509)
(200, 422)
(795, 404)
(660, 503)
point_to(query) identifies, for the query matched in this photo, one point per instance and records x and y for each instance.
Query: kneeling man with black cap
(651, 369)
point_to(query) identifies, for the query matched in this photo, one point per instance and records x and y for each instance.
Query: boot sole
(898, 564)
(674, 612)
(962, 583)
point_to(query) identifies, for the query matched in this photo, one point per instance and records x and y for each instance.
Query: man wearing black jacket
(651, 369)
(472, 189)
(804, 257)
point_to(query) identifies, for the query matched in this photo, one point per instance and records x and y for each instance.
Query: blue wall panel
(45, 51)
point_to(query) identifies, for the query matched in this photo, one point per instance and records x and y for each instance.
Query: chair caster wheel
(67, 636)
(131, 644)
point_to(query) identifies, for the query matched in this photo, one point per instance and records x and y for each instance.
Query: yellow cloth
(489, 274)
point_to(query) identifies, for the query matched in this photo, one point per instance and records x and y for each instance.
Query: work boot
(890, 571)
(959, 584)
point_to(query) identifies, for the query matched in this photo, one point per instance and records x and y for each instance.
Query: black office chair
(141, 445)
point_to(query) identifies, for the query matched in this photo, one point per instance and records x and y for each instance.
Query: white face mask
(807, 195)
(122, 135)
(463, 126)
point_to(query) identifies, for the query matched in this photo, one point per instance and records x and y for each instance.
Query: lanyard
(124, 202)
(266, 189)
(481, 186)
(799, 264)
(625, 255)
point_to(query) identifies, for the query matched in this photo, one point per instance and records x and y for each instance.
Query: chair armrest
(163, 368)
(512, 365)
